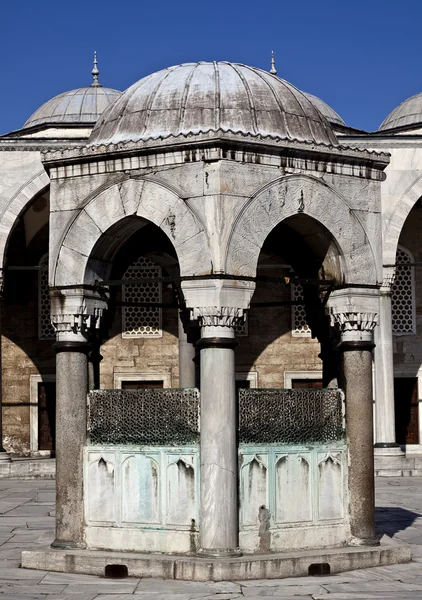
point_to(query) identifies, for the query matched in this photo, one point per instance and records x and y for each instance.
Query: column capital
(388, 277)
(75, 313)
(354, 313)
(218, 316)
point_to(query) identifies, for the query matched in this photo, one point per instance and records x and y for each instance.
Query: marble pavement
(27, 522)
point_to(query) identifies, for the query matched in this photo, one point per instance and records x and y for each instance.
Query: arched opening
(288, 329)
(138, 337)
(28, 358)
(406, 294)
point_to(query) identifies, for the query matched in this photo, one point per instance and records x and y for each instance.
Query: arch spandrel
(141, 198)
(294, 195)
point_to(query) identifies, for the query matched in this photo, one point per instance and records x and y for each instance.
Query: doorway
(47, 416)
(406, 408)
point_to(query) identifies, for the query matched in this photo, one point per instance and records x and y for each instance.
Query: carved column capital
(388, 277)
(214, 316)
(75, 314)
(354, 313)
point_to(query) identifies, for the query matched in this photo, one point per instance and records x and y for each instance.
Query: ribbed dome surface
(83, 105)
(407, 113)
(328, 112)
(201, 97)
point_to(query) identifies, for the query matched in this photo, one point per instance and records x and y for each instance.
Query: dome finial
(95, 72)
(273, 70)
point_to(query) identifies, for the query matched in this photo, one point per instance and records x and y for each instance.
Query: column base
(219, 552)
(355, 541)
(388, 449)
(68, 545)
(4, 457)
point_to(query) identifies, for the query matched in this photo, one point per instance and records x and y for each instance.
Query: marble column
(4, 457)
(385, 435)
(356, 345)
(219, 528)
(187, 352)
(72, 350)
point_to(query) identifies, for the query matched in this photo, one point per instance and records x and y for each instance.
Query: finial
(95, 72)
(273, 70)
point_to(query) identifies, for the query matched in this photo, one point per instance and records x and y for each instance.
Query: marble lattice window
(45, 328)
(142, 321)
(403, 294)
(300, 327)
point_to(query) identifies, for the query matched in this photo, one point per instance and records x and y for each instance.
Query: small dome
(329, 113)
(407, 113)
(202, 97)
(81, 106)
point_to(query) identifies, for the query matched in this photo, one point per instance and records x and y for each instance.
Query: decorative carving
(215, 316)
(78, 322)
(354, 321)
(290, 416)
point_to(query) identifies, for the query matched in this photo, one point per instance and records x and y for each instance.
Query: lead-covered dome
(81, 106)
(203, 97)
(408, 113)
(328, 112)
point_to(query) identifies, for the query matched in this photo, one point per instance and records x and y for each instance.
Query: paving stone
(12, 588)
(281, 591)
(75, 578)
(10, 573)
(186, 587)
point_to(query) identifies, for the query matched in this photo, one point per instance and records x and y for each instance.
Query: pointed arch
(83, 250)
(10, 213)
(293, 195)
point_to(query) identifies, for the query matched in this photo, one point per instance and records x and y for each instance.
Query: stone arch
(395, 223)
(294, 195)
(109, 217)
(8, 216)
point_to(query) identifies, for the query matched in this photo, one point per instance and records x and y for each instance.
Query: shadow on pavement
(392, 519)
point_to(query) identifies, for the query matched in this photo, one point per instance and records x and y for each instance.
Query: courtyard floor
(27, 522)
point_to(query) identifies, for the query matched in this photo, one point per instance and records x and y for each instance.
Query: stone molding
(214, 316)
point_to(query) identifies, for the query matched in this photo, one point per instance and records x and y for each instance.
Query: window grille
(142, 321)
(300, 327)
(402, 294)
(45, 328)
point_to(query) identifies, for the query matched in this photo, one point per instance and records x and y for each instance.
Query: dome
(80, 106)
(329, 113)
(203, 97)
(407, 113)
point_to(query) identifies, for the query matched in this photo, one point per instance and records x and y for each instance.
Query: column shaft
(71, 395)
(187, 351)
(384, 377)
(357, 380)
(3, 454)
(219, 534)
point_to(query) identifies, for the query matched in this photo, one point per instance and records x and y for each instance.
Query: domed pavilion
(192, 284)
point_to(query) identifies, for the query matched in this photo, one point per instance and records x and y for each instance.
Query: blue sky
(363, 57)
